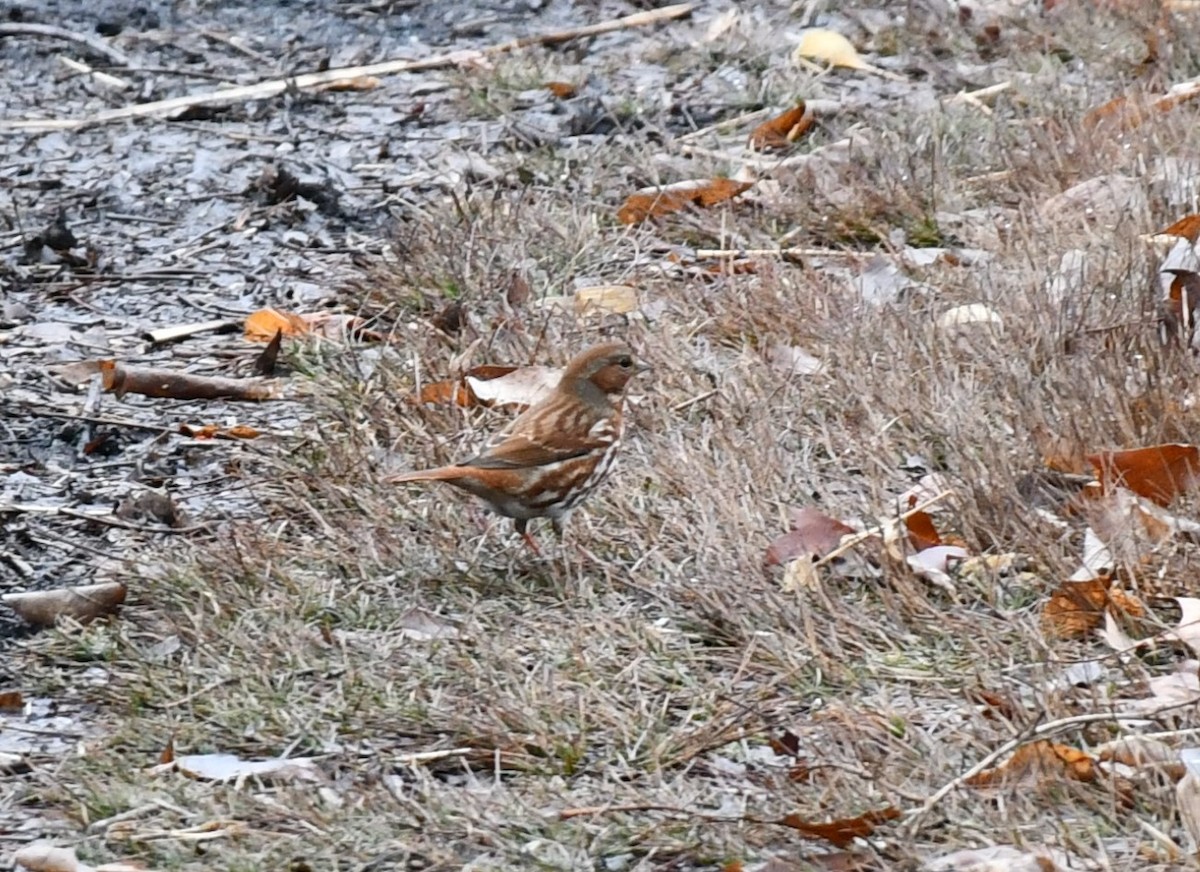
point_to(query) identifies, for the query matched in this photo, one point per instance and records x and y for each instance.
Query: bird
(555, 453)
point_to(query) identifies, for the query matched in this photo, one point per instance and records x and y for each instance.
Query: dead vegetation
(650, 696)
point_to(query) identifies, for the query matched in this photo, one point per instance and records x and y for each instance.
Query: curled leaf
(782, 130)
(652, 202)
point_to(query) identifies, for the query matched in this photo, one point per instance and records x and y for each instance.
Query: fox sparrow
(557, 451)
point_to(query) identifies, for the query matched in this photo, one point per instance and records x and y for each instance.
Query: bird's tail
(442, 473)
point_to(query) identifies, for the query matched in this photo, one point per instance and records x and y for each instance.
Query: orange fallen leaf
(1040, 760)
(1076, 608)
(843, 831)
(11, 700)
(456, 391)
(1129, 112)
(212, 431)
(261, 326)
(652, 202)
(1187, 227)
(561, 90)
(1159, 473)
(922, 533)
(782, 130)
(995, 705)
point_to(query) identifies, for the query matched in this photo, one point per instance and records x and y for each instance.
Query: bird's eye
(625, 362)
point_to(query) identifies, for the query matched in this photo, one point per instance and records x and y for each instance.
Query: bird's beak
(643, 367)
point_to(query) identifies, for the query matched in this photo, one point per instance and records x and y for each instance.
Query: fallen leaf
(830, 47)
(615, 299)
(1187, 797)
(1003, 858)
(561, 90)
(42, 608)
(1187, 227)
(11, 700)
(1076, 608)
(230, 767)
(263, 325)
(1188, 631)
(973, 315)
(934, 564)
(521, 387)
(424, 626)
(653, 202)
(1159, 473)
(212, 431)
(813, 534)
(800, 574)
(782, 130)
(791, 360)
(922, 533)
(818, 44)
(1040, 760)
(843, 831)
(1141, 752)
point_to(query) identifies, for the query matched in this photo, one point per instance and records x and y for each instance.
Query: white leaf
(524, 386)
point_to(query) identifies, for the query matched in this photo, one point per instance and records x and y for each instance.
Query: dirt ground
(967, 292)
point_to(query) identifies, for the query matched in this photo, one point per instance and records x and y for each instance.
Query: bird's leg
(523, 529)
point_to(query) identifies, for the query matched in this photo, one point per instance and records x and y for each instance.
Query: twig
(913, 816)
(737, 119)
(272, 87)
(780, 252)
(97, 45)
(31, 409)
(430, 756)
(691, 401)
(106, 79)
(976, 98)
(105, 517)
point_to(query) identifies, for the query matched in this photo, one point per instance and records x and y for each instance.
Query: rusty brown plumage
(556, 452)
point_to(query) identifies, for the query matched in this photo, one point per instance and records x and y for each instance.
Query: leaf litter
(250, 221)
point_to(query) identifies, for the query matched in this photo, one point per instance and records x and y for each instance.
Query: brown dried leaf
(11, 700)
(1076, 608)
(652, 202)
(782, 130)
(1187, 227)
(261, 326)
(843, 831)
(561, 90)
(1159, 473)
(1040, 760)
(813, 534)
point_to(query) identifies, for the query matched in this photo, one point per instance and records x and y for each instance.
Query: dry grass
(652, 664)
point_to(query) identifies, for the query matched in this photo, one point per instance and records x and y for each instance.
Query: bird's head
(608, 367)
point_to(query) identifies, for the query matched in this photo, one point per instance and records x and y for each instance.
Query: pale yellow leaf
(616, 299)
